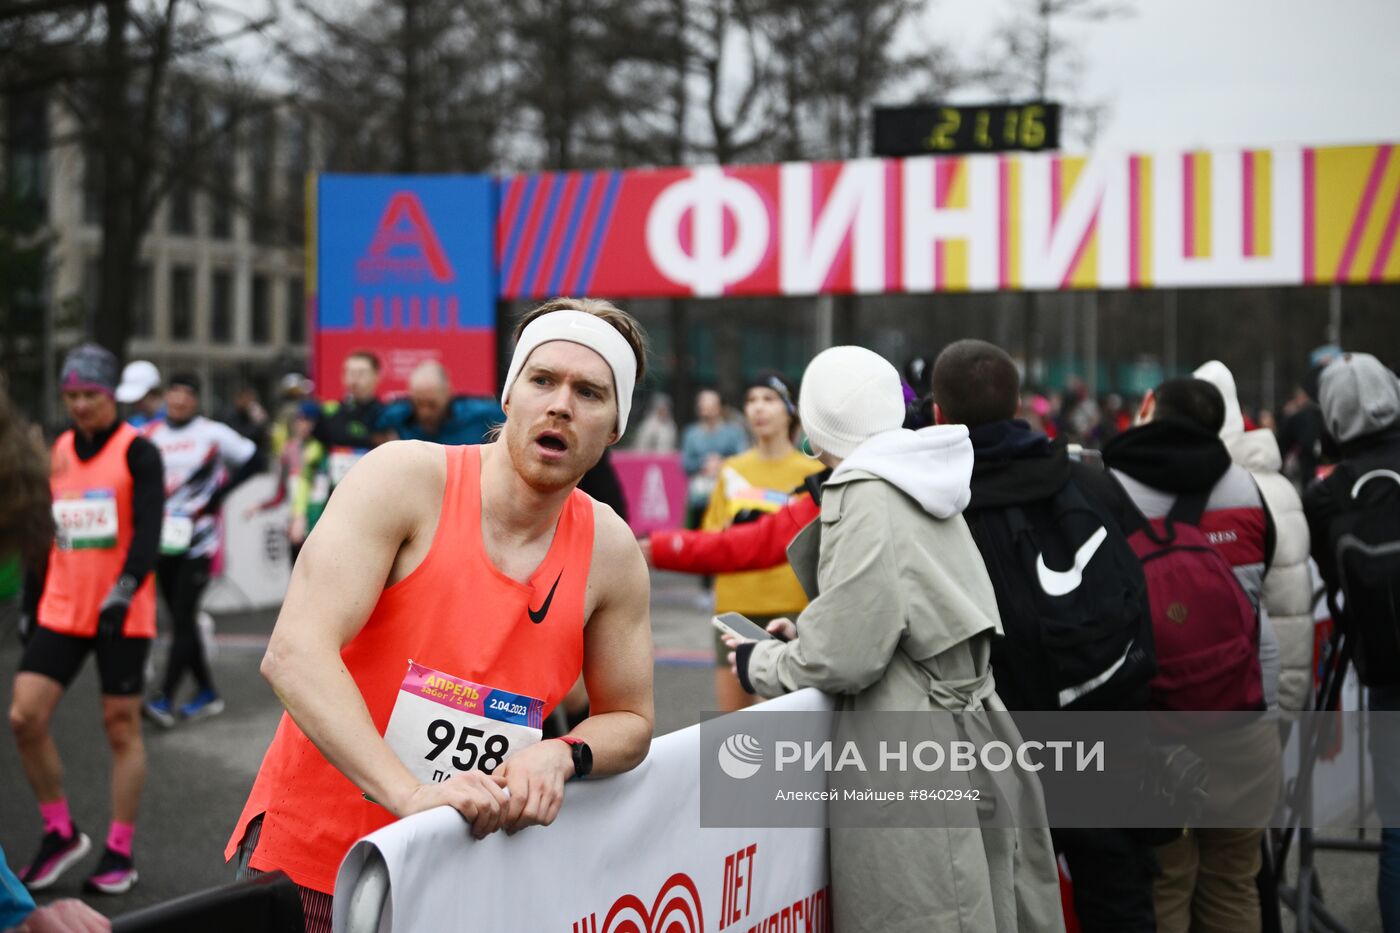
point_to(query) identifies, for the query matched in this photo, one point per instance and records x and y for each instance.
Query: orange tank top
(93, 517)
(455, 613)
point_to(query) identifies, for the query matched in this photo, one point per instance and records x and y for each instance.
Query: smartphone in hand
(732, 623)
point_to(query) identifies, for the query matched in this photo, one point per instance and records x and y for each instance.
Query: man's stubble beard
(545, 478)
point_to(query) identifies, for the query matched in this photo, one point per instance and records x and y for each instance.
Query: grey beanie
(1359, 396)
(89, 367)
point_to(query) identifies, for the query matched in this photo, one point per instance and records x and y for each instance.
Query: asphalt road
(199, 775)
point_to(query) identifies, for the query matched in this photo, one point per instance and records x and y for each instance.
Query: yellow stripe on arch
(1263, 203)
(1201, 175)
(955, 252)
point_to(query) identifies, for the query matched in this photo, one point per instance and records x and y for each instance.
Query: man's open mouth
(552, 442)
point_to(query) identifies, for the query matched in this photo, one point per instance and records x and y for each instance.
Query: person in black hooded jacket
(1360, 404)
(976, 383)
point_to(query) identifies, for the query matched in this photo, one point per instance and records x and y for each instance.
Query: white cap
(295, 382)
(139, 379)
(849, 394)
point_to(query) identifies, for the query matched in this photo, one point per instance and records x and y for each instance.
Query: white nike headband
(587, 330)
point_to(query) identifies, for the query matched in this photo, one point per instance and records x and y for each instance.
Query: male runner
(204, 460)
(98, 596)
(442, 584)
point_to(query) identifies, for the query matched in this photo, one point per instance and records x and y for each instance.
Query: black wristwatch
(582, 755)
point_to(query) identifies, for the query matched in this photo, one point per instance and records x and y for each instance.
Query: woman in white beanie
(902, 617)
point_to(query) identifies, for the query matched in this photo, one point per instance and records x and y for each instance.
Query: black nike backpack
(1073, 605)
(1364, 538)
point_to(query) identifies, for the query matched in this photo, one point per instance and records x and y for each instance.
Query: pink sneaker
(57, 853)
(115, 874)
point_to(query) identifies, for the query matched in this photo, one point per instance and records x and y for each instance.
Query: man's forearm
(619, 740)
(323, 700)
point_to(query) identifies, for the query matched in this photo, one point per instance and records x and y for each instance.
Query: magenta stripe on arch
(1363, 212)
(1248, 194)
(1309, 215)
(1188, 205)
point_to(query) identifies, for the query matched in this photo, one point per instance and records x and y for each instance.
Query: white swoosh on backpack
(1060, 582)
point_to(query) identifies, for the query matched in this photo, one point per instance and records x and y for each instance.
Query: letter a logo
(656, 505)
(405, 244)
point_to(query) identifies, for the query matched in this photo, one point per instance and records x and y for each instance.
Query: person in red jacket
(761, 542)
(751, 545)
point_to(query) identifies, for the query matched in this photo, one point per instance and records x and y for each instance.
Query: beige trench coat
(901, 618)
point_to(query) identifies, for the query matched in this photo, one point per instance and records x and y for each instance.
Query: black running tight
(182, 581)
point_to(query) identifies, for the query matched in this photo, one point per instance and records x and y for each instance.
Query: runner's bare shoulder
(617, 559)
(612, 537)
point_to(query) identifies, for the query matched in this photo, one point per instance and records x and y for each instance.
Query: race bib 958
(443, 724)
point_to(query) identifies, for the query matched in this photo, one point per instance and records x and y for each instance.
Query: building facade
(221, 284)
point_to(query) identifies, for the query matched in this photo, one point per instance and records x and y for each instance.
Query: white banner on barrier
(256, 569)
(626, 855)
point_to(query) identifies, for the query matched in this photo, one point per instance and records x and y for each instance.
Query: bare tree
(726, 70)
(1036, 57)
(584, 78)
(409, 86)
(113, 65)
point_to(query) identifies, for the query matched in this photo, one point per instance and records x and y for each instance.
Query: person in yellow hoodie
(757, 481)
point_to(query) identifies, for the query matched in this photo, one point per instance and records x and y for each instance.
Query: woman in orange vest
(97, 595)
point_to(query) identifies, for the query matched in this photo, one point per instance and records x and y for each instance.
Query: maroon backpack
(1205, 630)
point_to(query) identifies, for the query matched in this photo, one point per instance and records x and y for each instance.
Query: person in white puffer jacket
(1288, 588)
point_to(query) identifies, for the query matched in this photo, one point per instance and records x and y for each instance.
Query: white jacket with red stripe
(1288, 587)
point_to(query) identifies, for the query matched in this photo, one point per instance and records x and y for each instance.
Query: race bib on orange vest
(443, 724)
(88, 521)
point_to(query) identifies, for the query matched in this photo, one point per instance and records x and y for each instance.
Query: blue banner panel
(405, 270)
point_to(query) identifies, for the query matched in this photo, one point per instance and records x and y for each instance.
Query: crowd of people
(1185, 509)
(938, 544)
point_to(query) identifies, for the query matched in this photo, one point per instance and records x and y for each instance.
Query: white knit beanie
(848, 395)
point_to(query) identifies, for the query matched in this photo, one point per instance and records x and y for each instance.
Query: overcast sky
(1203, 73)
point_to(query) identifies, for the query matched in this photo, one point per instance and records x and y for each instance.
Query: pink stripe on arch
(892, 215)
(1134, 221)
(587, 221)
(1363, 212)
(554, 238)
(1309, 216)
(1248, 194)
(1056, 192)
(947, 173)
(1188, 205)
(1392, 229)
(507, 215)
(1004, 222)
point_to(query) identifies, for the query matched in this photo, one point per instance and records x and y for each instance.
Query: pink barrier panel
(654, 485)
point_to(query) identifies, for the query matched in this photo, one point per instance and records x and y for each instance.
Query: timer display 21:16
(937, 130)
